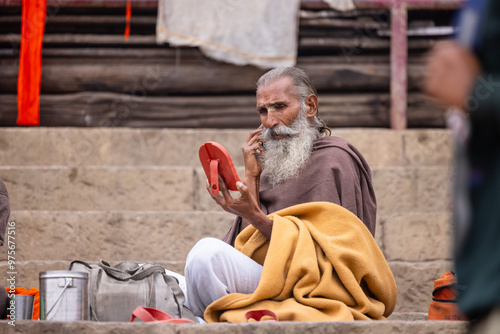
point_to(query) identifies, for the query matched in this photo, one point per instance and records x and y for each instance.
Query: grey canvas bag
(115, 291)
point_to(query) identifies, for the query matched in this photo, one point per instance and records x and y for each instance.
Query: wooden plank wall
(92, 77)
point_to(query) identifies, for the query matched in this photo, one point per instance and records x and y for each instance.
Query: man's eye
(261, 110)
(280, 106)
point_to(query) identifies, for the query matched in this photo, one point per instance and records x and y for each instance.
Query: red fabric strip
(30, 61)
(128, 16)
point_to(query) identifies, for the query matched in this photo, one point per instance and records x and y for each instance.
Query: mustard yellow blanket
(321, 264)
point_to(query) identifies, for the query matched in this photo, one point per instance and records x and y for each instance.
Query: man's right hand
(252, 150)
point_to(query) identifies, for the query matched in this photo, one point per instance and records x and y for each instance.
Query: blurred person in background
(464, 74)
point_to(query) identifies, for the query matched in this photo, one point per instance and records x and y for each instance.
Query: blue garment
(478, 258)
(468, 23)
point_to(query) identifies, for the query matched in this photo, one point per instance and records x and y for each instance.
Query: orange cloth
(30, 62)
(321, 264)
(444, 299)
(30, 292)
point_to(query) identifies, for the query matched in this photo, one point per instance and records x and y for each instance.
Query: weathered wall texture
(139, 194)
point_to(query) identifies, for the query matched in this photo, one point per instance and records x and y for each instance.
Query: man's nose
(271, 120)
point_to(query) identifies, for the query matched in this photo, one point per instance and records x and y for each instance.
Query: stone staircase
(139, 194)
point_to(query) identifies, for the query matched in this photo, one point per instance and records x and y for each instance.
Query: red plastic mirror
(216, 161)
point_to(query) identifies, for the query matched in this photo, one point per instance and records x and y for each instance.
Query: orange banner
(30, 61)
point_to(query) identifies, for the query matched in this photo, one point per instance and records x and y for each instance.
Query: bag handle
(92, 286)
(79, 262)
(173, 283)
(93, 279)
(139, 273)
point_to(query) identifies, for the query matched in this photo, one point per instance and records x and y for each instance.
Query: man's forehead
(277, 90)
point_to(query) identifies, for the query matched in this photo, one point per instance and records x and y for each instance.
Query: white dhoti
(215, 269)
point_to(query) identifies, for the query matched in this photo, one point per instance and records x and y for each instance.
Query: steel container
(64, 295)
(24, 307)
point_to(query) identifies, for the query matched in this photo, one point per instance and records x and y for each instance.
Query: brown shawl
(336, 172)
(4, 218)
(4, 211)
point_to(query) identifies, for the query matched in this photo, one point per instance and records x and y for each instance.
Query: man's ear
(312, 105)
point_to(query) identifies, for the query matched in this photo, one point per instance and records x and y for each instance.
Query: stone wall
(139, 194)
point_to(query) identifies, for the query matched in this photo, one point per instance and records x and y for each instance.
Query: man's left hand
(245, 206)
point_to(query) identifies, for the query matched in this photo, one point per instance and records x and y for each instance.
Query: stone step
(398, 189)
(111, 235)
(415, 280)
(416, 236)
(412, 189)
(76, 147)
(169, 235)
(408, 316)
(352, 327)
(100, 188)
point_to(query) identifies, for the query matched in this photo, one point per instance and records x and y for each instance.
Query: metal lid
(63, 273)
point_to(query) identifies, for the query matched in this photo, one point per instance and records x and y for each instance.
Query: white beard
(284, 158)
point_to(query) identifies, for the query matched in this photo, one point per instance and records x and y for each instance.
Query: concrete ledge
(99, 188)
(428, 147)
(417, 237)
(405, 189)
(76, 147)
(357, 327)
(169, 235)
(434, 188)
(398, 189)
(113, 235)
(408, 316)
